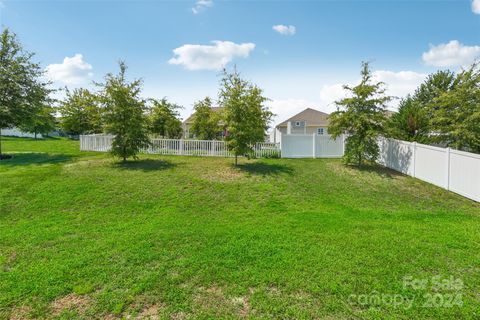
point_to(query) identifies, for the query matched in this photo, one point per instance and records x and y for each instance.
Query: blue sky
(300, 52)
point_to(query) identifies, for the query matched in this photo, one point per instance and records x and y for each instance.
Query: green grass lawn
(83, 236)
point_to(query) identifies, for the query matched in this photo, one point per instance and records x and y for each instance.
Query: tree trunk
(236, 160)
(35, 135)
(0, 143)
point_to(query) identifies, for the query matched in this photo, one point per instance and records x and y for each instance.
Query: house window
(320, 131)
(297, 124)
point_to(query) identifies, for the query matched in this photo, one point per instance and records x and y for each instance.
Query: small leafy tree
(125, 114)
(81, 112)
(206, 123)
(361, 117)
(42, 122)
(456, 112)
(22, 89)
(246, 116)
(163, 116)
(411, 122)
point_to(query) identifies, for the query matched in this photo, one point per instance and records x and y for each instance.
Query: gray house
(309, 121)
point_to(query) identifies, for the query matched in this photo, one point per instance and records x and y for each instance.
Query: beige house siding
(277, 133)
(186, 130)
(308, 130)
(308, 121)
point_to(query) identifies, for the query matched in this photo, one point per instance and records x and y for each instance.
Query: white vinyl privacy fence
(212, 148)
(453, 170)
(311, 146)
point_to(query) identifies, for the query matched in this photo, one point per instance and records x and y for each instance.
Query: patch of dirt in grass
(301, 301)
(222, 174)
(244, 304)
(149, 312)
(71, 301)
(214, 299)
(9, 262)
(20, 313)
(142, 308)
(73, 166)
(273, 290)
(179, 316)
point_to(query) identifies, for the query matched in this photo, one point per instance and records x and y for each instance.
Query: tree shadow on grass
(34, 158)
(265, 169)
(145, 165)
(378, 170)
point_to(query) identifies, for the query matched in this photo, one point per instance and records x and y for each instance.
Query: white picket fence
(451, 169)
(311, 146)
(209, 148)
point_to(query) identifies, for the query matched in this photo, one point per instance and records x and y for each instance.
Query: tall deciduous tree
(361, 116)
(163, 116)
(81, 112)
(456, 112)
(434, 86)
(22, 89)
(411, 122)
(125, 114)
(42, 122)
(206, 123)
(246, 116)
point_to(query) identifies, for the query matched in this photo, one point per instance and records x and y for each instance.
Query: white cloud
(451, 54)
(285, 30)
(210, 57)
(476, 6)
(71, 71)
(329, 94)
(201, 5)
(398, 84)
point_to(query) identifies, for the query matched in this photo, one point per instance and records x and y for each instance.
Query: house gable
(309, 118)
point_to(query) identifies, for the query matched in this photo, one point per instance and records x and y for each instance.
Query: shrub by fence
(453, 170)
(210, 148)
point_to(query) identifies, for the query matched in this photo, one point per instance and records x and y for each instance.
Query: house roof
(311, 116)
(192, 116)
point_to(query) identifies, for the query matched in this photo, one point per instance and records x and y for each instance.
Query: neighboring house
(188, 123)
(309, 121)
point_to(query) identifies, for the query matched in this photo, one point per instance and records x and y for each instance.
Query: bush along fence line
(208, 148)
(454, 170)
